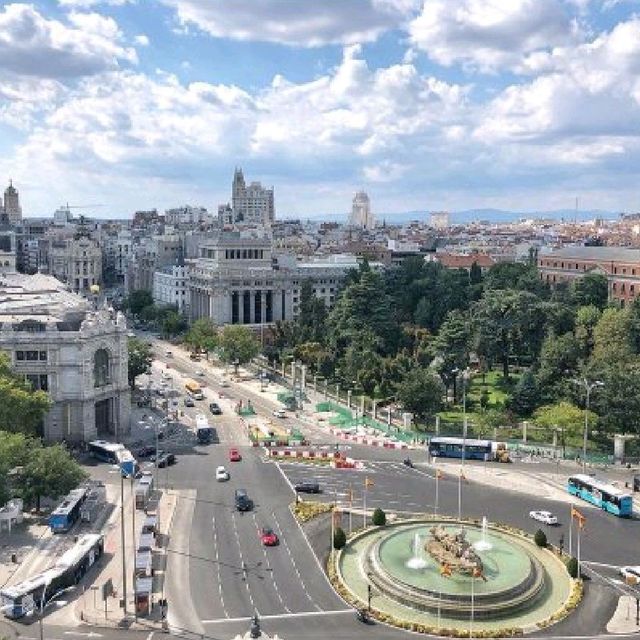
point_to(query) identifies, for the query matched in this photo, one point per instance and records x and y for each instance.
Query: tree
(612, 339)
(451, 346)
(475, 274)
(517, 276)
(590, 289)
(203, 335)
(504, 323)
(238, 345)
(572, 567)
(586, 320)
(173, 323)
(15, 450)
(50, 472)
(138, 300)
(312, 316)
(526, 396)
(421, 393)
(379, 517)
(140, 359)
(565, 417)
(489, 419)
(149, 313)
(540, 538)
(558, 355)
(339, 538)
(22, 409)
(618, 401)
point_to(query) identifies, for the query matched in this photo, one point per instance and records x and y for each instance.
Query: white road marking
(280, 616)
(150, 635)
(270, 568)
(215, 551)
(244, 570)
(600, 564)
(293, 562)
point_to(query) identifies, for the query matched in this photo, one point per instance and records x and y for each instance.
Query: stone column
(263, 306)
(241, 306)
(252, 307)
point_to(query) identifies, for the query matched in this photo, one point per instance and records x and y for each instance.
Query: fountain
(482, 544)
(416, 561)
(436, 570)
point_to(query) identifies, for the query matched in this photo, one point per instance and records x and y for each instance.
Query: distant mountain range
(475, 215)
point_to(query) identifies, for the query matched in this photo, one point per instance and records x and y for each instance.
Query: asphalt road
(219, 573)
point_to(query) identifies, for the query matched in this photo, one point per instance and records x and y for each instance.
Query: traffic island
(444, 577)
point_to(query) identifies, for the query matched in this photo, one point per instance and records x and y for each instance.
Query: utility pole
(122, 541)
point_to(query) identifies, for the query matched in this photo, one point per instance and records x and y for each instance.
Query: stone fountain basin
(514, 578)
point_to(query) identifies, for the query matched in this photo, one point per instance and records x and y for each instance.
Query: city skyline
(424, 106)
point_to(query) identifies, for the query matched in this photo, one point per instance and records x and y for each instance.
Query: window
(43, 355)
(38, 381)
(19, 355)
(101, 368)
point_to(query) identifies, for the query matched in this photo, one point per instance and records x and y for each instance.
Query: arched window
(101, 372)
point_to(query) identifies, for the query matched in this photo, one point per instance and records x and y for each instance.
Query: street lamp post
(465, 375)
(588, 388)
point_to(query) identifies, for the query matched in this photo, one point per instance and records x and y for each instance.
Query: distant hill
(475, 215)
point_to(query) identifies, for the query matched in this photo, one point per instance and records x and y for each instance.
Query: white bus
(29, 596)
(204, 430)
(114, 453)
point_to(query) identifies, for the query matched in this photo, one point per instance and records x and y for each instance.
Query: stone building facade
(76, 354)
(77, 262)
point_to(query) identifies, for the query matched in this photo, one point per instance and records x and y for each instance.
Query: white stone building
(251, 205)
(76, 261)
(11, 209)
(361, 215)
(187, 215)
(238, 280)
(171, 286)
(76, 354)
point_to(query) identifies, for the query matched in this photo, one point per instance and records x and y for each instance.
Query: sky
(425, 104)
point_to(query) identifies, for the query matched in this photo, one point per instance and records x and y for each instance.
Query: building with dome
(361, 215)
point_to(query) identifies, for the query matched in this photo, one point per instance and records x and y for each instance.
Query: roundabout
(439, 575)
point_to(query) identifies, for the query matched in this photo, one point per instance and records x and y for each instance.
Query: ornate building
(238, 280)
(76, 261)
(251, 205)
(76, 354)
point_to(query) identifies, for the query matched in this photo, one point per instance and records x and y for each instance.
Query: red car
(234, 455)
(269, 538)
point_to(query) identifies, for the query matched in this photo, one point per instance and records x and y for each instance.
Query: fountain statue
(454, 551)
(416, 561)
(483, 544)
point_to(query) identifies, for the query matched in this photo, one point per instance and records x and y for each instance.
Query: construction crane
(83, 206)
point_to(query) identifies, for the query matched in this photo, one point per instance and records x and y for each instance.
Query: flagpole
(571, 533)
(579, 536)
(364, 511)
(350, 509)
(460, 495)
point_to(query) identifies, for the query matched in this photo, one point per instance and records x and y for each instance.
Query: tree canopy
(140, 359)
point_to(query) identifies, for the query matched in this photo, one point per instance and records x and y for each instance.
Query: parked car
(188, 402)
(268, 537)
(195, 357)
(144, 451)
(234, 455)
(222, 474)
(215, 409)
(168, 354)
(544, 516)
(200, 373)
(631, 574)
(307, 487)
(224, 383)
(279, 413)
(243, 501)
(164, 459)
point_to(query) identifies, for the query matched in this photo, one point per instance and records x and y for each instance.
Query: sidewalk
(90, 608)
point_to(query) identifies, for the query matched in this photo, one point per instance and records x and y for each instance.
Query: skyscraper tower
(12, 209)
(361, 215)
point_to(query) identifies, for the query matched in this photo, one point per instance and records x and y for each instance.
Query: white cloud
(142, 40)
(307, 23)
(489, 34)
(84, 4)
(32, 45)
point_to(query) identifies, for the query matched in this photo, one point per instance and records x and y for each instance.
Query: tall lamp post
(588, 388)
(465, 376)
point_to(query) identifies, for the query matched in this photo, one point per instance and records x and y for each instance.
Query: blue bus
(68, 511)
(31, 595)
(603, 495)
(445, 447)
(114, 454)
